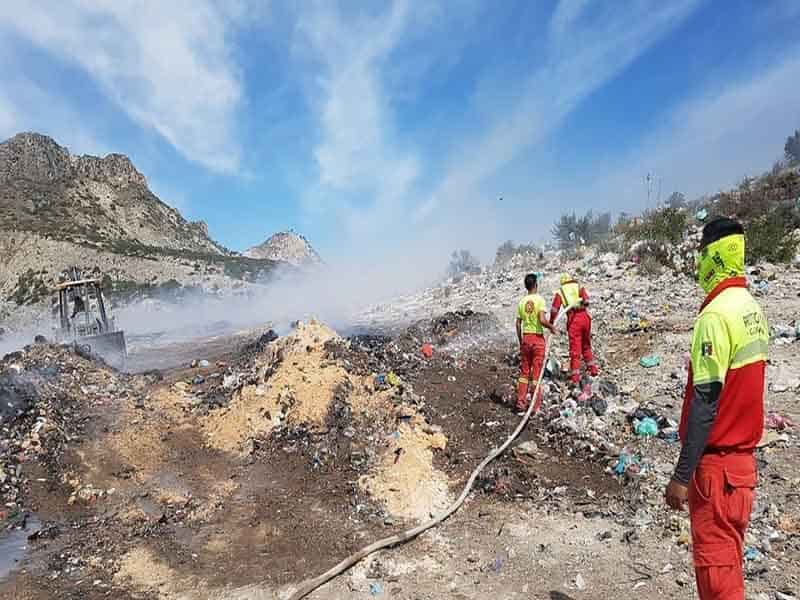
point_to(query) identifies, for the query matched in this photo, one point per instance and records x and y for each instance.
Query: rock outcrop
(36, 157)
(286, 246)
(103, 202)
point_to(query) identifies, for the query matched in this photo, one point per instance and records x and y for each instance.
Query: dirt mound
(300, 391)
(406, 478)
(45, 391)
(293, 383)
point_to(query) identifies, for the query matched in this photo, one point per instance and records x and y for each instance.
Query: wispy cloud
(731, 130)
(370, 177)
(565, 15)
(359, 166)
(168, 65)
(25, 106)
(584, 54)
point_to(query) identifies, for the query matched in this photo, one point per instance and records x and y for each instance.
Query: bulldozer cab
(81, 309)
(80, 314)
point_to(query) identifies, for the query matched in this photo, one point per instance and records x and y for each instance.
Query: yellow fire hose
(400, 538)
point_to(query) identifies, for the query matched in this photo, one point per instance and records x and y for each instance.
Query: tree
(571, 230)
(462, 262)
(505, 252)
(792, 147)
(676, 200)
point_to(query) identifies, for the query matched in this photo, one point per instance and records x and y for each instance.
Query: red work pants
(720, 502)
(531, 361)
(579, 329)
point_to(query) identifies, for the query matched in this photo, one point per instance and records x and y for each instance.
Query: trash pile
(680, 257)
(296, 388)
(44, 393)
(440, 339)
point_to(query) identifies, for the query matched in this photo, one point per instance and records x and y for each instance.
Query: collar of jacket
(731, 282)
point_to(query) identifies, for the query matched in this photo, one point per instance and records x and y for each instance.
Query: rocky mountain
(286, 246)
(100, 202)
(59, 210)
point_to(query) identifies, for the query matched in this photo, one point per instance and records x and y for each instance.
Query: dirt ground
(318, 463)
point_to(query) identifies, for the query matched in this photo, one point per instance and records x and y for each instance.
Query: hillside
(58, 210)
(100, 202)
(286, 246)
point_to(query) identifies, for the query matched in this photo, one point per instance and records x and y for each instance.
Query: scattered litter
(648, 362)
(528, 448)
(579, 582)
(552, 369)
(598, 405)
(751, 553)
(427, 350)
(585, 393)
(761, 288)
(624, 461)
(375, 589)
(777, 421)
(497, 564)
(791, 331)
(771, 437)
(646, 427)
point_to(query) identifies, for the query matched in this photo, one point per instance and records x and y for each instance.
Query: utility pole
(658, 201)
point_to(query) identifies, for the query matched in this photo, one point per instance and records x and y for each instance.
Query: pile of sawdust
(406, 480)
(296, 385)
(145, 573)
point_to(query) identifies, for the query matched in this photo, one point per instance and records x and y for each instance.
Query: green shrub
(462, 262)
(650, 265)
(769, 238)
(30, 288)
(667, 225)
(571, 231)
(509, 250)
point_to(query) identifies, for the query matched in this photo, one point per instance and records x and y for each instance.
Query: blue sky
(388, 131)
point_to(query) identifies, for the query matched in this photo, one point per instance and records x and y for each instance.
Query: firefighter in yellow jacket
(723, 414)
(531, 323)
(572, 295)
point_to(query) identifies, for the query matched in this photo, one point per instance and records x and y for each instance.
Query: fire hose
(400, 538)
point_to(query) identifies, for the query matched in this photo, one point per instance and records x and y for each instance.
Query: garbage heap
(45, 391)
(299, 387)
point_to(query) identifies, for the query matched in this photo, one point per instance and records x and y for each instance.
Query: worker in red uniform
(531, 323)
(579, 326)
(723, 414)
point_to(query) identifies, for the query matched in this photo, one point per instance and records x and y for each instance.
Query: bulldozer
(81, 318)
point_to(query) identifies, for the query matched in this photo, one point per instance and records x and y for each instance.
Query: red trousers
(579, 329)
(720, 502)
(530, 367)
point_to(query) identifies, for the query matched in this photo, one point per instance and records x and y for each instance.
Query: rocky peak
(37, 157)
(114, 168)
(33, 156)
(286, 246)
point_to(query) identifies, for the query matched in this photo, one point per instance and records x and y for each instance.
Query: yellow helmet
(565, 278)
